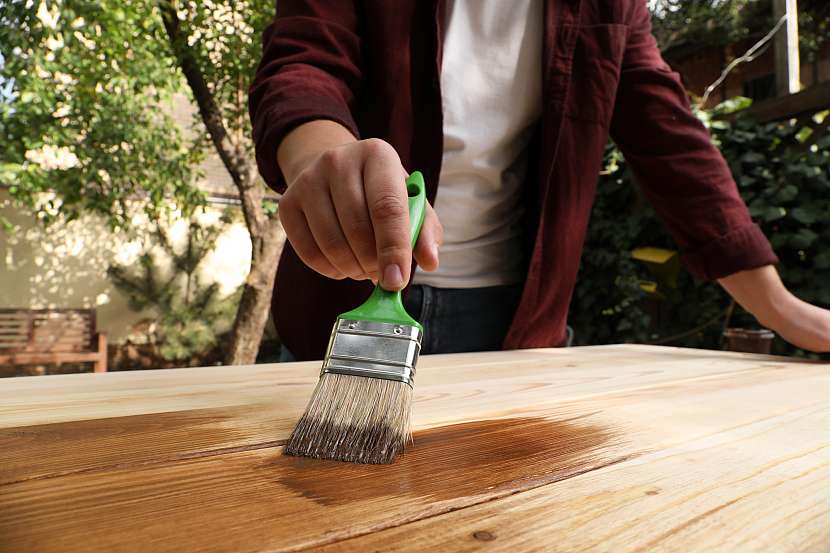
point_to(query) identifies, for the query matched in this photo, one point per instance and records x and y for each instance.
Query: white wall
(65, 265)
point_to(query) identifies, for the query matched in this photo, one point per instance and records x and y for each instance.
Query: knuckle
(331, 160)
(288, 201)
(359, 229)
(290, 214)
(394, 252)
(387, 208)
(302, 182)
(332, 242)
(378, 147)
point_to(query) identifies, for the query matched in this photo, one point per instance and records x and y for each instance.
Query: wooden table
(615, 448)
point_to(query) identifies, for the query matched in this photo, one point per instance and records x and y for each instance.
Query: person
(506, 108)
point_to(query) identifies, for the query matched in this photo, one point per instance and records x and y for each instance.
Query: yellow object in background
(664, 265)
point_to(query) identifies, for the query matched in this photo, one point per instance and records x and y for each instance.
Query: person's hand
(761, 292)
(346, 215)
(802, 324)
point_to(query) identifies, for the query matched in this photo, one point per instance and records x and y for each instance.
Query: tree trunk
(265, 231)
(252, 314)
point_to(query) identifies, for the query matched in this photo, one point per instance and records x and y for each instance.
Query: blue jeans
(458, 319)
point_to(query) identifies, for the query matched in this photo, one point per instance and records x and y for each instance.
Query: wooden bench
(51, 336)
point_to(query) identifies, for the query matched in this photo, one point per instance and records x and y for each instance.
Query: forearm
(302, 145)
(761, 292)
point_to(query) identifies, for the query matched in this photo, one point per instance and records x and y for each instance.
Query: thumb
(431, 237)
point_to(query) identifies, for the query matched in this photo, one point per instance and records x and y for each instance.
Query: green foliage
(88, 89)
(225, 38)
(270, 207)
(712, 22)
(86, 125)
(813, 27)
(187, 316)
(786, 185)
(721, 22)
(787, 189)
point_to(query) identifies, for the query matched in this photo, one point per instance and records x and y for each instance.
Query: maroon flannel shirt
(373, 66)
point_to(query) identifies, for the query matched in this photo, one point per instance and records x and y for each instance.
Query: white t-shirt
(491, 89)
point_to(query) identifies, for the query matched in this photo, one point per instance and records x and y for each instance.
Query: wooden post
(100, 366)
(787, 64)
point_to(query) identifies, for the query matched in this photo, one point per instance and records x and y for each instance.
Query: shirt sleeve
(681, 172)
(310, 70)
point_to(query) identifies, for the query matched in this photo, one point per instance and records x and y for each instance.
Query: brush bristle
(354, 419)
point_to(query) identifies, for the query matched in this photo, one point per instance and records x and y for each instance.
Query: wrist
(777, 307)
(761, 292)
(307, 142)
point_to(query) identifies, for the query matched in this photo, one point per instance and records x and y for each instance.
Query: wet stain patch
(57, 449)
(468, 459)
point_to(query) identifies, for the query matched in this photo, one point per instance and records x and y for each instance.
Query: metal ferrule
(374, 350)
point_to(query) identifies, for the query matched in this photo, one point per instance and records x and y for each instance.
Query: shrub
(784, 181)
(187, 317)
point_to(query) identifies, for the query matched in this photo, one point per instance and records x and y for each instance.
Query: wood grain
(617, 448)
(192, 412)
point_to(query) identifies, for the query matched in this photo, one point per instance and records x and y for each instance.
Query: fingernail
(435, 251)
(392, 277)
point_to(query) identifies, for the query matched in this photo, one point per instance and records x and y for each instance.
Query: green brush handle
(384, 306)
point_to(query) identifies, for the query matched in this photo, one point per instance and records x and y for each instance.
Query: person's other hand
(803, 325)
(761, 292)
(346, 215)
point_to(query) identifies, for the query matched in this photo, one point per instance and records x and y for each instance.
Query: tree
(721, 22)
(711, 22)
(82, 129)
(814, 30)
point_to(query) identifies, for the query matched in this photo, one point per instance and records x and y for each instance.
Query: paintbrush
(360, 410)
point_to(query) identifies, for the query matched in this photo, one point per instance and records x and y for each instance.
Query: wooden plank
(571, 434)
(764, 486)
(274, 502)
(236, 406)
(810, 100)
(580, 372)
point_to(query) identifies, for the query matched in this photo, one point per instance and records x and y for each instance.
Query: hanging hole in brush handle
(416, 190)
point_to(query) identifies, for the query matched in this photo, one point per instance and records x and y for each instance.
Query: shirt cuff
(280, 119)
(742, 249)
